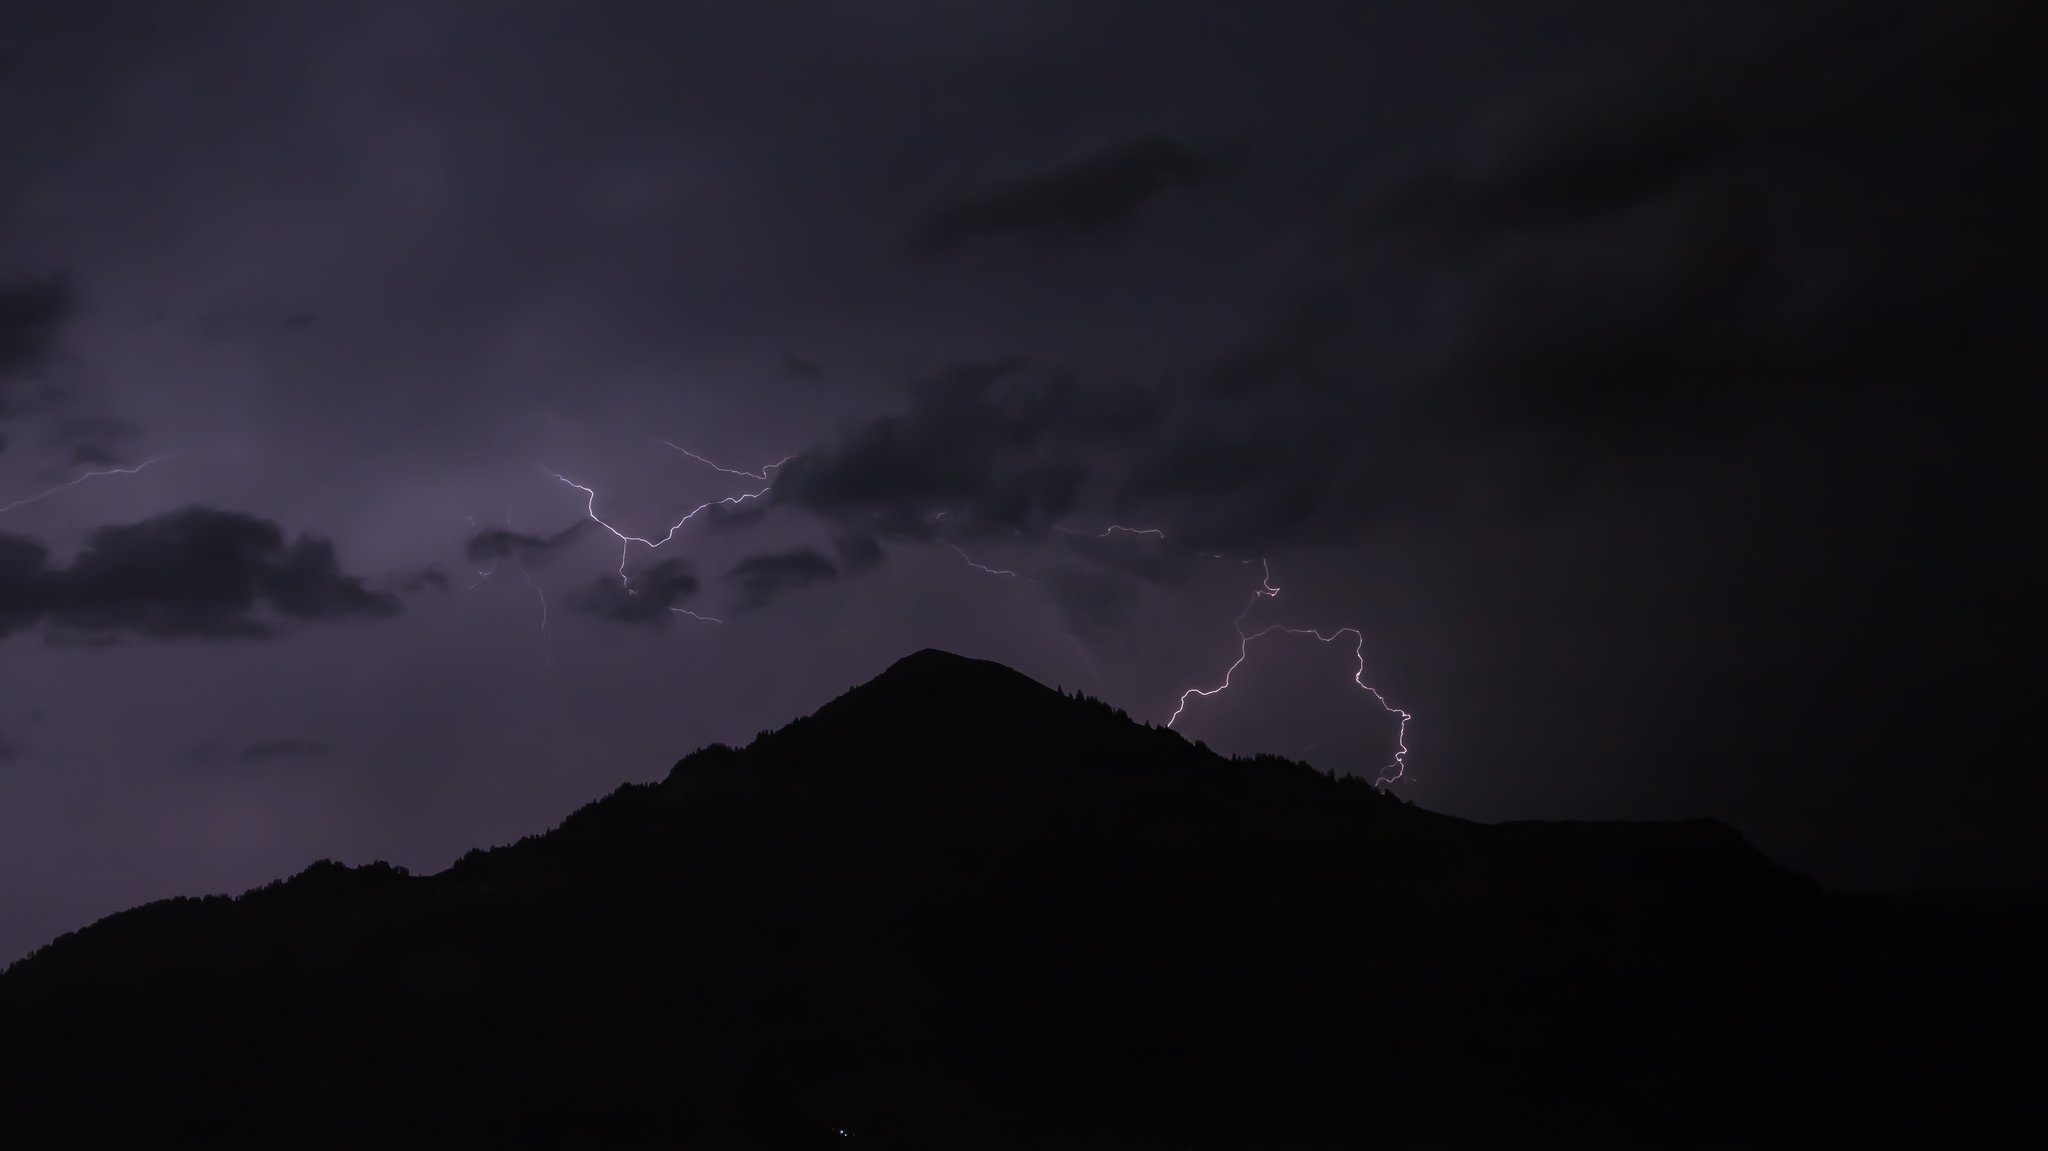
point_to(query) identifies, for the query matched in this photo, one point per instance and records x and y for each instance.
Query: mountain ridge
(953, 893)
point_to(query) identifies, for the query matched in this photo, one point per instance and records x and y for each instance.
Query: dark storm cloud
(1095, 196)
(1763, 228)
(1294, 350)
(1758, 226)
(33, 313)
(194, 573)
(1739, 232)
(282, 748)
(1001, 450)
(9, 750)
(493, 544)
(768, 576)
(998, 449)
(647, 603)
(419, 581)
(1145, 554)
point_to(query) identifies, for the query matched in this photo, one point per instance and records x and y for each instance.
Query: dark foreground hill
(957, 908)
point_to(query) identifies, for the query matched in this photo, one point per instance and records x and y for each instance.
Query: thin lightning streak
(547, 637)
(519, 561)
(484, 573)
(1114, 529)
(980, 567)
(539, 592)
(626, 542)
(760, 475)
(39, 497)
(1267, 589)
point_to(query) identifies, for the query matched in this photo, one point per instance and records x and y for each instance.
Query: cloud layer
(1651, 262)
(197, 573)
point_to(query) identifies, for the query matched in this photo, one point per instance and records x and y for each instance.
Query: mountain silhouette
(955, 907)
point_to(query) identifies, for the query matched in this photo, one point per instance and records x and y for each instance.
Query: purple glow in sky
(1636, 386)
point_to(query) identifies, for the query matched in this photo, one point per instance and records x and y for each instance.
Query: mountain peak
(933, 663)
(954, 891)
(935, 688)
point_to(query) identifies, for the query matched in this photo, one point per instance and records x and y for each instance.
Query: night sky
(1645, 382)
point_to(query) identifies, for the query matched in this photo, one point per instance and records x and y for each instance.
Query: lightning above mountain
(1265, 590)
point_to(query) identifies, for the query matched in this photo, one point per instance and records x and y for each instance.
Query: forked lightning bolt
(626, 541)
(760, 475)
(1267, 589)
(102, 473)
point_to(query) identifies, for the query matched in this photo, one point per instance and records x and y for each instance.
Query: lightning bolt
(101, 473)
(626, 541)
(760, 475)
(540, 593)
(981, 567)
(1265, 590)
(1268, 590)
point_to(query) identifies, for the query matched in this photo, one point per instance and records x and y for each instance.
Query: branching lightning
(73, 482)
(1265, 590)
(1268, 590)
(760, 475)
(626, 541)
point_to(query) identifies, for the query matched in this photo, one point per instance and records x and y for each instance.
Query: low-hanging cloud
(196, 573)
(1722, 238)
(490, 545)
(998, 448)
(33, 314)
(768, 576)
(646, 602)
